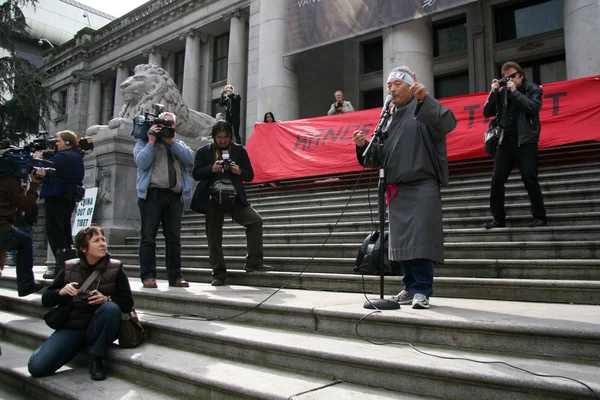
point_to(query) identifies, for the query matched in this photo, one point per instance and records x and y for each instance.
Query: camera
(503, 81)
(339, 104)
(82, 296)
(20, 161)
(226, 162)
(142, 124)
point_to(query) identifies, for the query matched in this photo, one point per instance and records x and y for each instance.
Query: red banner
(323, 145)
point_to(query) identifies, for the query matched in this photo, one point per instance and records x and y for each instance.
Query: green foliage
(24, 102)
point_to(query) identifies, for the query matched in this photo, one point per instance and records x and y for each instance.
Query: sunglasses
(512, 76)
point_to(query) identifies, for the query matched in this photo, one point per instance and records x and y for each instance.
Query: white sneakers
(418, 301)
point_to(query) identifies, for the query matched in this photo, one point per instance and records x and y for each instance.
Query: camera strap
(91, 279)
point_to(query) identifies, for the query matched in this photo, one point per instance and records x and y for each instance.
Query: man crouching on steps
(220, 168)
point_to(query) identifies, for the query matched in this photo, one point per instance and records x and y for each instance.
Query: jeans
(526, 157)
(29, 231)
(418, 276)
(160, 207)
(64, 344)
(16, 239)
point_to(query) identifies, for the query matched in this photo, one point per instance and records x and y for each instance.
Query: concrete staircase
(506, 298)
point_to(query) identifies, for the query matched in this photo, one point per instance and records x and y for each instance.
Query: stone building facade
(205, 44)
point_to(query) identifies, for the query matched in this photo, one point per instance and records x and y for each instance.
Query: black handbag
(131, 331)
(491, 137)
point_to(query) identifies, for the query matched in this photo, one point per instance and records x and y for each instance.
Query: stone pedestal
(111, 168)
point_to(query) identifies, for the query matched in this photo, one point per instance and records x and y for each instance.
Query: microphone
(386, 106)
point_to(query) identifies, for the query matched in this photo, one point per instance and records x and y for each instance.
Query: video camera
(48, 146)
(142, 124)
(20, 161)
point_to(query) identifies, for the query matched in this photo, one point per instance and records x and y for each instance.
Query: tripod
(372, 159)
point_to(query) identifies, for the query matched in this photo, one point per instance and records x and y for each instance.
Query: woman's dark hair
(271, 114)
(82, 239)
(221, 126)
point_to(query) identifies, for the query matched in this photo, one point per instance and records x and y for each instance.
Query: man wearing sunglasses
(516, 103)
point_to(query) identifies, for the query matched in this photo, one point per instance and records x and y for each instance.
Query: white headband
(403, 76)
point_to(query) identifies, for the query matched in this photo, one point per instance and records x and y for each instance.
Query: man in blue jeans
(162, 185)
(13, 195)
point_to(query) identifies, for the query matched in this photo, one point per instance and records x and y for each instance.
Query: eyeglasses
(512, 76)
(221, 138)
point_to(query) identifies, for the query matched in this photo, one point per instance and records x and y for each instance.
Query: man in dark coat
(227, 164)
(232, 103)
(415, 164)
(517, 104)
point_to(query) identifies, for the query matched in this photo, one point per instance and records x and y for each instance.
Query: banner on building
(312, 23)
(309, 147)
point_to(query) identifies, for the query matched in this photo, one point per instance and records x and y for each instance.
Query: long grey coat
(415, 158)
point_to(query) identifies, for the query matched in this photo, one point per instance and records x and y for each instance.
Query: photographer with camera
(162, 185)
(340, 106)
(516, 102)
(232, 103)
(88, 316)
(14, 195)
(220, 168)
(61, 194)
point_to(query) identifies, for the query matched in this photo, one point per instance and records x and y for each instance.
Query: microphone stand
(378, 136)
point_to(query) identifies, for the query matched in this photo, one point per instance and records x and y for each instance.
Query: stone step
(72, 382)
(507, 250)
(185, 372)
(561, 346)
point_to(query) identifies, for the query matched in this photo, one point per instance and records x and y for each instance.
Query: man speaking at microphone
(415, 164)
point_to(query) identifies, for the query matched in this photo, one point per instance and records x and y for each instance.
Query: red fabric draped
(323, 145)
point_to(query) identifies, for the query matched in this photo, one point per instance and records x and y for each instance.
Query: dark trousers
(16, 239)
(242, 214)
(58, 221)
(64, 344)
(418, 276)
(235, 126)
(526, 157)
(162, 207)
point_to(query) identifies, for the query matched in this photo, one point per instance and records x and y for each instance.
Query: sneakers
(420, 301)
(404, 297)
(218, 282)
(257, 267)
(150, 283)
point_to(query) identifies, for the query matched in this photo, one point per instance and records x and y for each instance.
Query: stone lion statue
(150, 85)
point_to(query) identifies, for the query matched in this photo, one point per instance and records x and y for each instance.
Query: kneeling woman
(93, 322)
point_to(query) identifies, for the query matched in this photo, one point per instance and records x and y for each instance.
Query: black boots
(62, 255)
(97, 371)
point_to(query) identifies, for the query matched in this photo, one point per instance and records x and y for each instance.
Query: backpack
(367, 260)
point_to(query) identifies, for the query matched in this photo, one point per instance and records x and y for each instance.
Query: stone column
(122, 74)
(191, 69)
(206, 50)
(581, 23)
(94, 102)
(107, 100)
(410, 44)
(277, 77)
(237, 60)
(154, 55)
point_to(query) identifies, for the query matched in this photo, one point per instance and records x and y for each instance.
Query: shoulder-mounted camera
(142, 124)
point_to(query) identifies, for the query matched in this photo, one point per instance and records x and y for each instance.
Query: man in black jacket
(232, 103)
(516, 103)
(227, 164)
